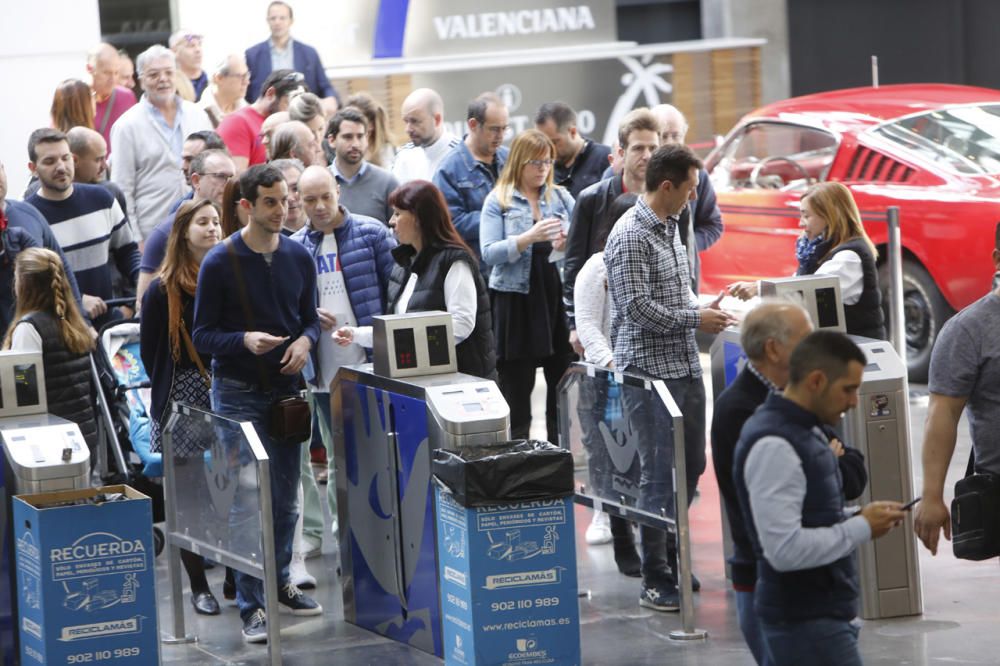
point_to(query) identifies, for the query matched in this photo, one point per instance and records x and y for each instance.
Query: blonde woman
(47, 320)
(522, 226)
(833, 242)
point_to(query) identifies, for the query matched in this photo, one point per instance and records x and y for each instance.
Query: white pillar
(755, 18)
(44, 43)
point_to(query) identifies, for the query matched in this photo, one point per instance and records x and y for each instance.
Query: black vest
(476, 354)
(864, 318)
(67, 378)
(831, 590)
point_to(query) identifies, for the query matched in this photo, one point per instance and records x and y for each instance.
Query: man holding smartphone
(792, 501)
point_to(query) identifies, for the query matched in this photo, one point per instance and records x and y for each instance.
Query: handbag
(289, 419)
(975, 515)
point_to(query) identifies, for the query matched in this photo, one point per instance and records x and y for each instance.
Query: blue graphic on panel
(393, 565)
(390, 28)
(733, 360)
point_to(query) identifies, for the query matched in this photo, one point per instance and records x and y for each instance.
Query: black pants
(517, 380)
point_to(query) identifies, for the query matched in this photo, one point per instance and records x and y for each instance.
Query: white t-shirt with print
(334, 299)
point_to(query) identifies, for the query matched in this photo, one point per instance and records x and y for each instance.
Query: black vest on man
(864, 318)
(477, 353)
(67, 378)
(827, 591)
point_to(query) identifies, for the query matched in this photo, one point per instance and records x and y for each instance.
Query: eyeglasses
(540, 163)
(220, 175)
(154, 74)
(192, 38)
(497, 130)
(245, 76)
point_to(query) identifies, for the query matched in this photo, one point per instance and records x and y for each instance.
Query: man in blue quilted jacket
(353, 259)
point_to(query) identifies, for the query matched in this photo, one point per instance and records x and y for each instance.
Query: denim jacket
(465, 182)
(499, 226)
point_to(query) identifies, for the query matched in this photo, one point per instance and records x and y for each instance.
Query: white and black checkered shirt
(653, 314)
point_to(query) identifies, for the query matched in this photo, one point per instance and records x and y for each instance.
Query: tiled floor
(959, 625)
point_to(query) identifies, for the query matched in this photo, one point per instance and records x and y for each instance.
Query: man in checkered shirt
(654, 317)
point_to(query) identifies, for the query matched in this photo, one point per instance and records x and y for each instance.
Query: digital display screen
(472, 407)
(406, 348)
(26, 384)
(826, 307)
(438, 351)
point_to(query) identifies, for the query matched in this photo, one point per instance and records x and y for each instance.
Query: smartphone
(909, 505)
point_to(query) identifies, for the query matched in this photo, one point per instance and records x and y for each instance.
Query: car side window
(777, 156)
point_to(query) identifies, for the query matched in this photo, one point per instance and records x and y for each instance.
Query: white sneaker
(599, 531)
(298, 575)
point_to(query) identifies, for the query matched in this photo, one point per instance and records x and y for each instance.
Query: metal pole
(874, 71)
(687, 632)
(897, 318)
(270, 573)
(173, 551)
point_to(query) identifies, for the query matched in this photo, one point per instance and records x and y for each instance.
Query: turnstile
(880, 428)
(384, 433)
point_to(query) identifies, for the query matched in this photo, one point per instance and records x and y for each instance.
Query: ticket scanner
(41, 452)
(389, 416)
(879, 427)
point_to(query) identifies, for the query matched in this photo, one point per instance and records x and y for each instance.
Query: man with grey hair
(768, 334)
(229, 86)
(186, 46)
(700, 224)
(430, 141)
(294, 140)
(148, 140)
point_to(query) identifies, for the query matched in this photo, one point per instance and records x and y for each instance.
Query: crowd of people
(261, 222)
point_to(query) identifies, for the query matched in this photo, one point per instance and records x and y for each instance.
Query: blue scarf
(808, 252)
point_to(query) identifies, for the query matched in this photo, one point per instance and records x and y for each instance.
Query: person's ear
(31, 167)
(246, 205)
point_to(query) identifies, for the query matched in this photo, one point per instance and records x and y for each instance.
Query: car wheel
(925, 311)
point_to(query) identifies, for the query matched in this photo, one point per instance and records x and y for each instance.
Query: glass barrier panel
(216, 485)
(620, 432)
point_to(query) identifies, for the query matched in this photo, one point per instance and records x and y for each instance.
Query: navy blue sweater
(282, 296)
(27, 217)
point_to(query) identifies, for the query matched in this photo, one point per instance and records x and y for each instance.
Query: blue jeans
(240, 401)
(821, 642)
(750, 626)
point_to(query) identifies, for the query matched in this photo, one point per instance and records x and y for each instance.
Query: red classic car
(931, 150)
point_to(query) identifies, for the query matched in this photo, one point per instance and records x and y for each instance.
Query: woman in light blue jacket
(522, 232)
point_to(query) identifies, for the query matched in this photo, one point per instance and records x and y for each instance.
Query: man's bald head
(673, 124)
(103, 65)
(770, 332)
(294, 140)
(423, 116)
(319, 195)
(268, 127)
(90, 154)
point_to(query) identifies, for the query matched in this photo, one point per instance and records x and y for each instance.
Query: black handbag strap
(241, 287)
(970, 469)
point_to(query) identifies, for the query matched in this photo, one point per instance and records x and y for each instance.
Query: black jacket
(864, 318)
(67, 378)
(732, 409)
(588, 233)
(585, 170)
(476, 354)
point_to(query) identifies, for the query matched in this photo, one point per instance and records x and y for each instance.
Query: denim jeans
(241, 401)
(750, 626)
(820, 642)
(649, 421)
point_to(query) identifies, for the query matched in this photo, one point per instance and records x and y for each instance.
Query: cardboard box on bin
(86, 579)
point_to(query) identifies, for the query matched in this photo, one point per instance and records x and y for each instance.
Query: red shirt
(104, 118)
(241, 132)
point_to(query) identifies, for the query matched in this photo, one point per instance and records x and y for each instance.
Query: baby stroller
(123, 416)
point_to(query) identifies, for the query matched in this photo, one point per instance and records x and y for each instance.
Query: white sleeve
(364, 336)
(776, 486)
(590, 298)
(846, 265)
(26, 338)
(460, 299)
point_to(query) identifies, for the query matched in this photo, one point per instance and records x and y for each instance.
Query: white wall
(43, 43)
